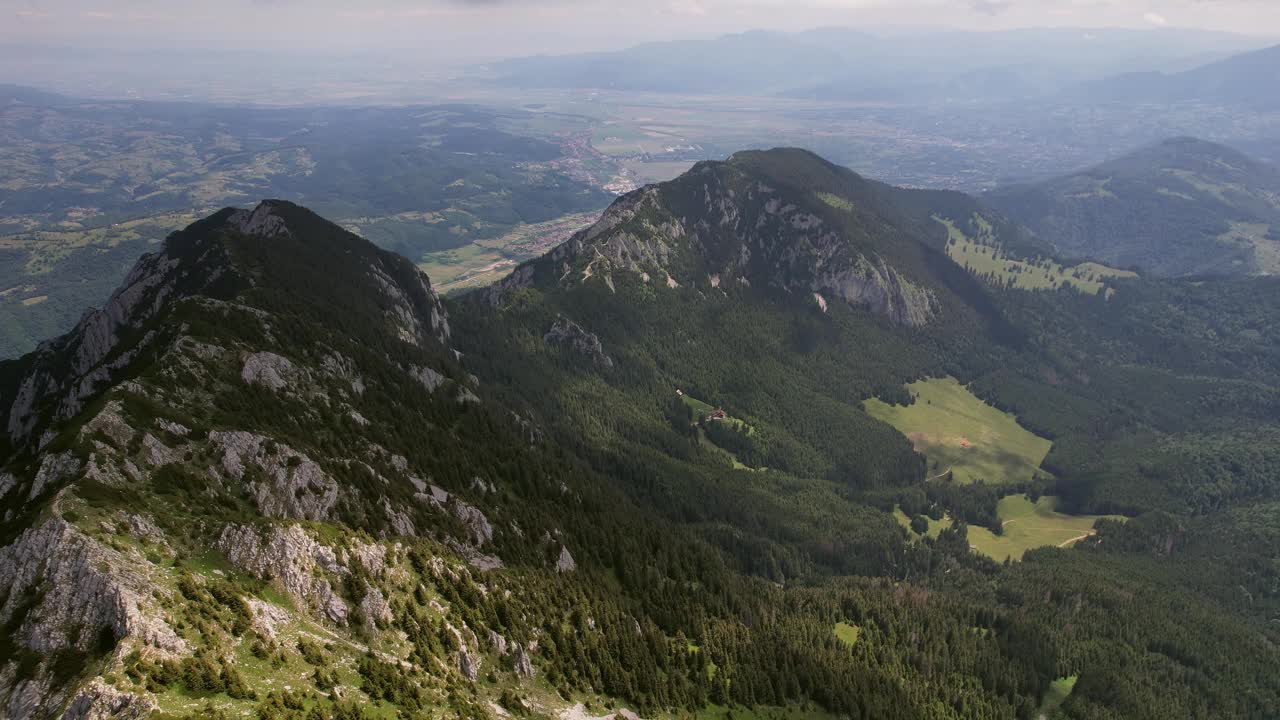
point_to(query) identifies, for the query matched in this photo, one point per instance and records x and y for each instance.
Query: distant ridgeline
(754, 443)
(1182, 207)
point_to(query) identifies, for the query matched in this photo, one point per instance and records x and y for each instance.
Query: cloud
(1156, 19)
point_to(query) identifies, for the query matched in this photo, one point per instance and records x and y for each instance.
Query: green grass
(962, 435)
(466, 266)
(699, 407)
(701, 410)
(1026, 526)
(1057, 694)
(935, 526)
(209, 563)
(1256, 235)
(983, 257)
(835, 201)
(846, 633)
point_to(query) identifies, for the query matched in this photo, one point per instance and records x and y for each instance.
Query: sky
(478, 29)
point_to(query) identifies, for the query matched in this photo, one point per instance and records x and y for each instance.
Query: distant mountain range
(1181, 207)
(1246, 80)
(843, 64)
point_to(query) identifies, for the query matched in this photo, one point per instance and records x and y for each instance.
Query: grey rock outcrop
(157, 454)
(522, 663)
(292, 485)
(498, 643)
(565, 563)
(414, 310)
(111, 423)
(430, 379)
(569, 334)
(881, 289)
(375, 608)
(84, 590)
(479, 530)
(469, 659)
(290, 556)
(370, 556)
(144, 528)
(268, 369)
(260, 221)
(267, 618)
(54, 468)
(173, 428)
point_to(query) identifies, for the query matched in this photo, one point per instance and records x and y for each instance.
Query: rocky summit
(755, 219)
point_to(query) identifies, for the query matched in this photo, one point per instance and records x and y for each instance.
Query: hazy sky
(480, 28)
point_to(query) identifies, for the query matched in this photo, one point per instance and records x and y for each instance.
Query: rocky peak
(783, 220)
(262, 221)
(236, 254)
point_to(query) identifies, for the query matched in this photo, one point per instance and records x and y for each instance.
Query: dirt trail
(940, 475)
(1065, 543)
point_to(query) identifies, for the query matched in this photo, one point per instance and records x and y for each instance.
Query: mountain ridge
(1232, 81)
(841, 236)
(1183, 206)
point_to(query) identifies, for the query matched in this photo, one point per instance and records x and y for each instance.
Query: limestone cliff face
(290, 556)
(85, 589)
(67, 592)
(875, 284)
(720, 226)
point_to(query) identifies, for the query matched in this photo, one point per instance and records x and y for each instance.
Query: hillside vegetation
(1182, 207)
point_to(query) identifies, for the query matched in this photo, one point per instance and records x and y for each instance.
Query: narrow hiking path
(1077, 538)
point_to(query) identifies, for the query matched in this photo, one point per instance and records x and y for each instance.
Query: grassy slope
(1058, 693)
(959, 432)
(846, 633)
(982, 258)
(1027, 526)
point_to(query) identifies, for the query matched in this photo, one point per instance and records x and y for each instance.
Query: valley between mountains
(768, 440)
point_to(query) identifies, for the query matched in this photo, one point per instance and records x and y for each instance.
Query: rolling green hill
(1182, 207)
